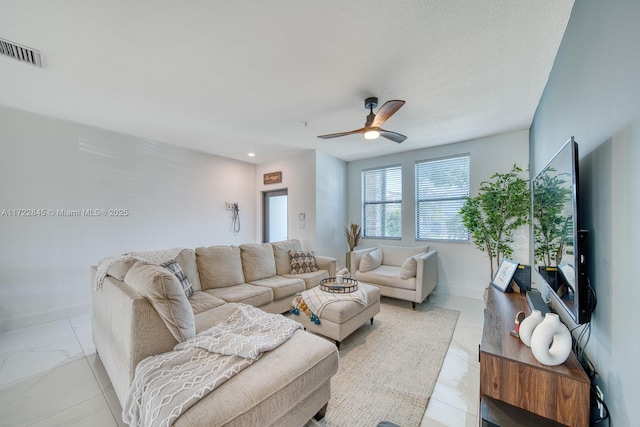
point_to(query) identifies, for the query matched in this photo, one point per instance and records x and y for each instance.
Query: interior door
(274, 216)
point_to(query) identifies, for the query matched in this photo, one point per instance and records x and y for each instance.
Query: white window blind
(382, 202)
(441, 188)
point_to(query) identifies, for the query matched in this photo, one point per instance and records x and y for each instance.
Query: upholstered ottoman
(340, 319)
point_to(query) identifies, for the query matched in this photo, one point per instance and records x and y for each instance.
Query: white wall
(175, 197)
(331, 207)
(463, 269)
(316, 186)
(593, 93)
(299, 178)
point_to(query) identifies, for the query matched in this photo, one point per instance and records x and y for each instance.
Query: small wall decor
(272, 177)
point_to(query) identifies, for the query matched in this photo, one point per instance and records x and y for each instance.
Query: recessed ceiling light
(251, 154)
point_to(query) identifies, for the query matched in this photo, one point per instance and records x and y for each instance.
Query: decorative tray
(347, 286)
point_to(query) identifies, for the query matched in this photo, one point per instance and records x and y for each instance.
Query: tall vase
(551, 341)
(528, 325)
(348, 261)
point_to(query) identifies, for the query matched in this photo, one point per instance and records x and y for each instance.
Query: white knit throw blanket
(165, 386)
(317, 299)
(153, 257)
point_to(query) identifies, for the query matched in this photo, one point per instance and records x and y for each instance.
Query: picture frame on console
(502, 279)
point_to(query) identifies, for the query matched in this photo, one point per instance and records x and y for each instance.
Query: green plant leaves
(501, 206)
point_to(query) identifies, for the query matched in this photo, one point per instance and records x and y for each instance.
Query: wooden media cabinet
(510, 373)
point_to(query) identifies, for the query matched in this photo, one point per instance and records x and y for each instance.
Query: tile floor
(50, 374)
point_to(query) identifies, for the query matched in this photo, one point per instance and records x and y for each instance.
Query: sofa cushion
(386, 275)
(280, 381)
(244, 293)
(202, 301)
(302, 262)
(175, 268)
(396, 255)
(409, 268)
(219, 266)
(281, 254)
(214, 316)
(282, 287)
(187, 260)
(164, 291)
(371, 260)
(311, 279)
(257, 261)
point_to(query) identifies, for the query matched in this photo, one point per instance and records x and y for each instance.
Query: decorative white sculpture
(528, 325)
(551, 341)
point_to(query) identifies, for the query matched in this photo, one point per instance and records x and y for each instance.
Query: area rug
(388, 370)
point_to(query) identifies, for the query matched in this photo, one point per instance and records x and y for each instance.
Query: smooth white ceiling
(269, 76)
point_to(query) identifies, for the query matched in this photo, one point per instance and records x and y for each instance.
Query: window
(382, 202)
(441, 186)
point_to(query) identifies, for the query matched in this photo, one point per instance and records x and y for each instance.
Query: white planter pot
(551, 341)
(528, 325)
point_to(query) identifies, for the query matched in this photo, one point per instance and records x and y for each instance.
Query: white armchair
(397, 275)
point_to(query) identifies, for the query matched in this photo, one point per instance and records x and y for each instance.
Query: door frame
(265, 211)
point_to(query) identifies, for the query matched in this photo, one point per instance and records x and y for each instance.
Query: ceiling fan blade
(394, 136)
(335, 135)
(387, 110)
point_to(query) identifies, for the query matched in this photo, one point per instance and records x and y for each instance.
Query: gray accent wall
(174, 197)
(593, 93)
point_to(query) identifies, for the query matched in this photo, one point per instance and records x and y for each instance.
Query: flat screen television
(560, 245)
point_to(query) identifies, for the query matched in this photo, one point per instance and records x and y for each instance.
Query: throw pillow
(175, 268)
(409, 268)
(163, 290)
(187, 260)
(302, 262)
(281, 254)
(371, 260)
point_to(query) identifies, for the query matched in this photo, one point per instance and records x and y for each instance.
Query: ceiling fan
(371, 129)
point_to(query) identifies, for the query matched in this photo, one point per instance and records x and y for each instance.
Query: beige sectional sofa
(407, 273)
(135, 316)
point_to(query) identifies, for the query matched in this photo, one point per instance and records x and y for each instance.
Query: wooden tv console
(510, 373)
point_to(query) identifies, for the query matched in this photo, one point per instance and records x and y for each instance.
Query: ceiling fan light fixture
(373, 133)
(371, 129)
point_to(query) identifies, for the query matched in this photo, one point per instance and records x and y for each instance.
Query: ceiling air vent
(21, 53)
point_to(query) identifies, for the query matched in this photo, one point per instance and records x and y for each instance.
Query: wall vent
(21, 53)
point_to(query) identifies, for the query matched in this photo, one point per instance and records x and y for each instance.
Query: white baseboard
(38, 319)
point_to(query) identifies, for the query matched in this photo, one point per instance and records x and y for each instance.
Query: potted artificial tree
(501, 206)
(353, 235)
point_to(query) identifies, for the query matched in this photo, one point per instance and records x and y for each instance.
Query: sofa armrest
(125, 330)
(327, 263)
(426, 274)
(356, 256)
